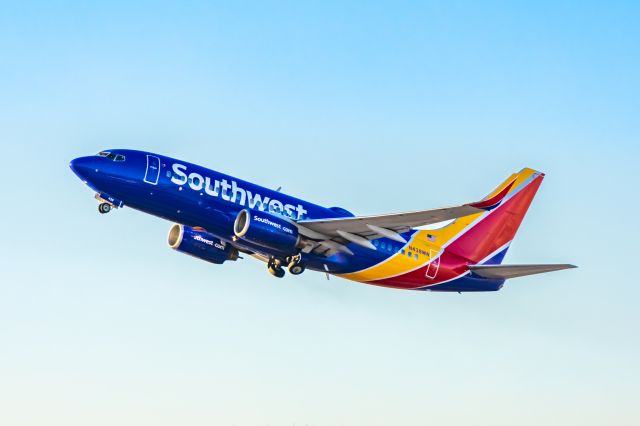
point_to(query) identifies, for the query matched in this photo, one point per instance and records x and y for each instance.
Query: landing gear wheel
(274, 267)
(277, 272)
(295, 265)
(296, 268)
(104, 208)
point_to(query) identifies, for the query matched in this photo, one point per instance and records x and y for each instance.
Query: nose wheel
(104, 208)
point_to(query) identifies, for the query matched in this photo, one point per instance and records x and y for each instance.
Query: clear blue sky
(374, 107)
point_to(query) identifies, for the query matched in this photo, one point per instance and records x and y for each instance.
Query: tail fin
(485, 237)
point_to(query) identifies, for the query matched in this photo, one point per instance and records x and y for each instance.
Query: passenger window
(403, 252)
(168, 173)
(375, 243)
(415, 256)
(410, 254)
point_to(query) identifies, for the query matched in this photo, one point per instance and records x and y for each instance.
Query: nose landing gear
(104, 208)
(107, 202)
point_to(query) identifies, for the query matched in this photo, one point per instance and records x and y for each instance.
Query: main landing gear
(294, 265)
(274, 266)
(104, 208)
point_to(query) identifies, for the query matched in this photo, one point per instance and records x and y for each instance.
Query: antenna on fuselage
(326, 268)
(279, 188)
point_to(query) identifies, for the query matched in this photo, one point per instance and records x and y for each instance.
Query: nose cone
(82, 166)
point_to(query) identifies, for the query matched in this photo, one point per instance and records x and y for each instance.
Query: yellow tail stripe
(428, 248)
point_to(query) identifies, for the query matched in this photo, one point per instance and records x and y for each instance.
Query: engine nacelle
(200, 244)
(267, 230)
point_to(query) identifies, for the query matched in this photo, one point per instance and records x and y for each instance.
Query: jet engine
(267, 230)
(199, 243)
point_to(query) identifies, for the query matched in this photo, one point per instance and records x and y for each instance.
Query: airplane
(218, 217)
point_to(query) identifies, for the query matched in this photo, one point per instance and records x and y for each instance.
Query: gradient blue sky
(378, 107)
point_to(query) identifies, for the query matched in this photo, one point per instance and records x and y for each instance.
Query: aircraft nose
(81, 166)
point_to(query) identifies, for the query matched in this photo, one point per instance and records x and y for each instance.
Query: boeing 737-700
(217, 217)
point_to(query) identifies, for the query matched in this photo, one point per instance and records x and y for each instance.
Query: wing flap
(514, 271)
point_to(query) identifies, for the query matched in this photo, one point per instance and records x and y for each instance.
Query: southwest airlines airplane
(218, 216)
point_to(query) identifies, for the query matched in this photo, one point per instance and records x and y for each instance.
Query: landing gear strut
(104, 208)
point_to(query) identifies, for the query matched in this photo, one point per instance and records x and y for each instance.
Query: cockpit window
(111, 156)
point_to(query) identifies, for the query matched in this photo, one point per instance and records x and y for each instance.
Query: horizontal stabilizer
(514, 271)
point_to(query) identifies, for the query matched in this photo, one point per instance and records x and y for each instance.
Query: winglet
(493, 202)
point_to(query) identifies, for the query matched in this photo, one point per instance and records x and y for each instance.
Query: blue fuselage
(195, 196)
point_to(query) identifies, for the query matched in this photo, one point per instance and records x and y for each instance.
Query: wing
(333, 233)
(398, 222)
